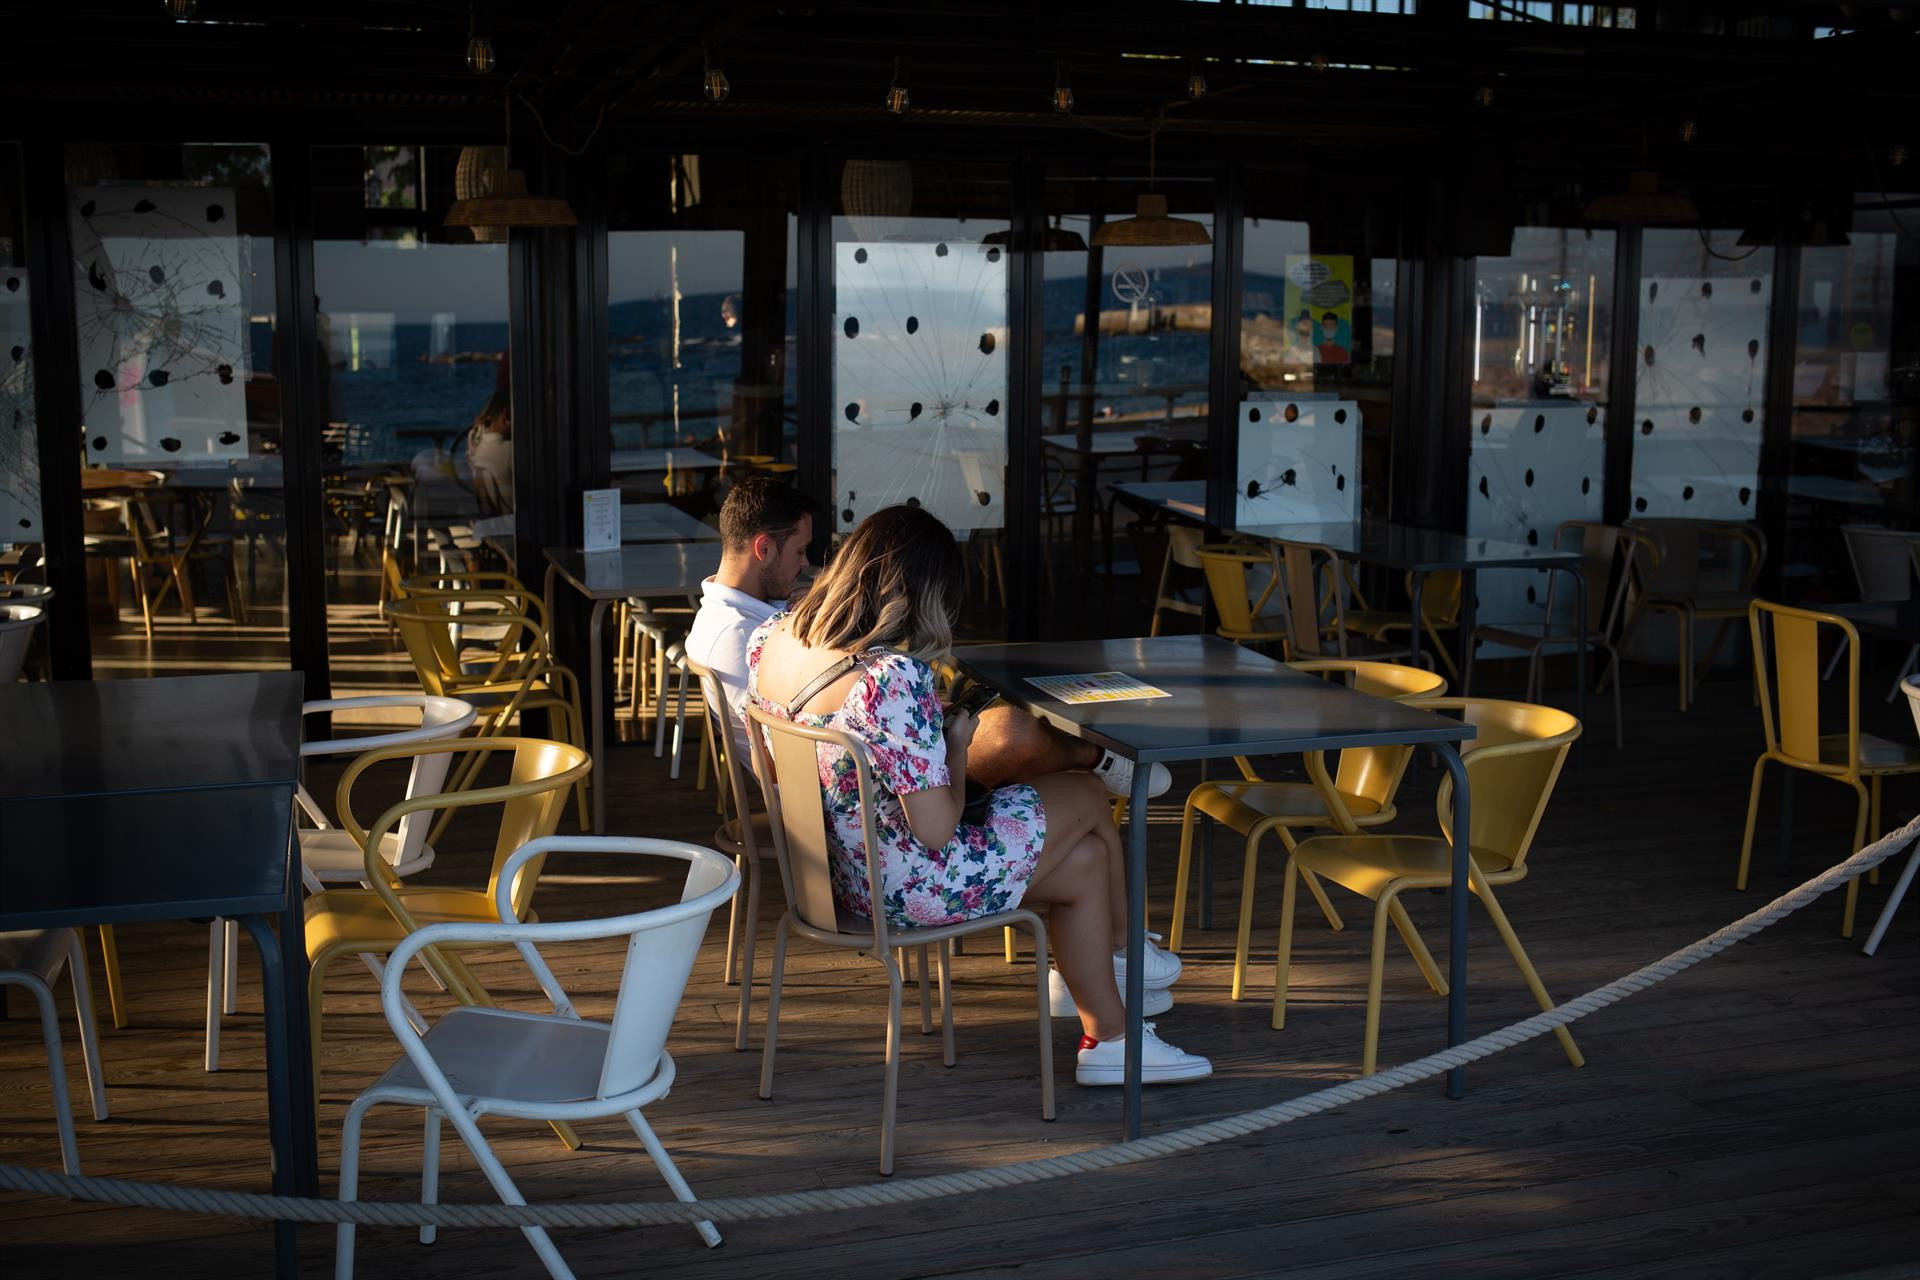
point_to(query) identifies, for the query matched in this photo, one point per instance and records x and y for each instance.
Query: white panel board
(19, 439)
(1299, 461)
(1532, 466)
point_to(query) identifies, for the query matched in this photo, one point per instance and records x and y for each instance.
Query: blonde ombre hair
(895, 583)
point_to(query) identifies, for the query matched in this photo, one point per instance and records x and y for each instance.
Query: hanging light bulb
(1319, 62)
(897, 89)
(181, 10)
(1196, 83)
(1689, 130)
(1897, 155)
(713, 79)
(479, 55)
(1484, 95)
(1062, 91)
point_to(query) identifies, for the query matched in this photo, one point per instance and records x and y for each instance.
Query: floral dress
(895, 710)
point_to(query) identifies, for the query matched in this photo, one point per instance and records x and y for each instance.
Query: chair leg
(1243, 940)
(110, 961)
(774, 980)
(1839, 652)
(750, 930)
(216, 983)
(679, 721)
(671, 1172)
(349, 1186)
(1683, 622)
(1177, 926)
(1376, 978)
(926, 991)
(1284, 962)
(1519, 953)
(1044, 1009)
(1753, 814)
(430, 1170)
(1874, 831)
(892, 1092)
(1619, 721)
(946, 1003)
(1008, 945)
(1417, 945)
(503, 1186)
(1859, 843)
(1906, 669)
(56, 1072)
(82, 983)
(1900, 888)
(734, 910)
(230, 965)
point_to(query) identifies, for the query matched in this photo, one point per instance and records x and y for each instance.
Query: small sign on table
(600, 519)
(1096, 686)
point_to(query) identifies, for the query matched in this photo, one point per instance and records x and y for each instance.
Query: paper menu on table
(600, 519)
(1096, 686)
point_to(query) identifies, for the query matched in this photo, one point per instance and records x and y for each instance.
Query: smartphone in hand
(976, 699)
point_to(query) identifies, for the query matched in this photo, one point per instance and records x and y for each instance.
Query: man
(765, 527)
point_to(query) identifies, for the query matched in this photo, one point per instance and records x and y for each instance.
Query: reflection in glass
(1542, 322)
(20, 536)
(181, 433)
(417, 444)
(1700, 380)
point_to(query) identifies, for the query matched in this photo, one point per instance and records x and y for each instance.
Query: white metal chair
(33, 958)
(546, 1066)
(646, 633)
(786, 760)
(329, 854)
(1911, 687)
(1884, 562)
(17, 622)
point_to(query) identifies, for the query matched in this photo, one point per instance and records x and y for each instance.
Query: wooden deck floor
(1759, 1116)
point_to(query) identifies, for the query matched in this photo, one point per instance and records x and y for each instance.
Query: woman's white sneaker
(1161, 970)
(1105, 1061)
(1060, 1000)
(1117, 773)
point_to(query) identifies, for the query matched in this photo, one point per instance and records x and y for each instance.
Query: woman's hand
(959, 727)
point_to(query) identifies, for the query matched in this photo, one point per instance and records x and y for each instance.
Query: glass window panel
(1856, 392)
(1700, 379)
(702, 301)
(181, 427)
(1125, 364)
(1542, 322)
(417, 444)
(921, 351)
(20, 528)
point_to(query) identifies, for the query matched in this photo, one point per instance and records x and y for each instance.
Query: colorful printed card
(1096, 686)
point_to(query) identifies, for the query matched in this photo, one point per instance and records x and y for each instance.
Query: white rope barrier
(876, 1195)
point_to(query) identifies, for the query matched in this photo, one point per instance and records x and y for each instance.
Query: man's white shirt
(718, 641)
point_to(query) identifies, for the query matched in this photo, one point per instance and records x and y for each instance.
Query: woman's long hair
(896, 582)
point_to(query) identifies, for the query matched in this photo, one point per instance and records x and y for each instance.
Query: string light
(479, 49)
(1062, 91)
(712, 78)
(897, 90)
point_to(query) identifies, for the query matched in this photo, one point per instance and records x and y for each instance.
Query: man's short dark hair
(761, 504)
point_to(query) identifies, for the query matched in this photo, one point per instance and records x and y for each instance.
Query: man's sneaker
(1162, 968)
(1117, 773)
(1105, 1061)
(1061, 999)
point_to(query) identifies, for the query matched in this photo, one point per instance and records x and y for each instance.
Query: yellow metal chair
(372, 919)
(1365, 782)
(1512, 766)
(1439, 612)
(1704, 571)
(1790, 715)
(786, 759)
(1316, 587)
(516, 675)
(1183, 552)
(1239, 600)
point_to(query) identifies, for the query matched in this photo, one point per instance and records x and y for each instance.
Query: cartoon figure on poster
(1319, 305)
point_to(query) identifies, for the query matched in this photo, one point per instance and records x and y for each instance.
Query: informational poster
(920, 381)
(161, 319)
(19, 439)
(1096, 686)
(600, 519)
(1319, 308)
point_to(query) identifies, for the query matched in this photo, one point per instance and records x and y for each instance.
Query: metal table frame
(997, 665)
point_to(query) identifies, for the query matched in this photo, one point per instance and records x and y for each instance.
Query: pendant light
(1643, 202)
(1150, 224)
(504, 201)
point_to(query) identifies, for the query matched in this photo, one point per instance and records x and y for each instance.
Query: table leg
(1136, 994)
(1580, 642)
(1469, 616)
(598, 786)
(290, 1111)
(1457, 916)
(1413, 643)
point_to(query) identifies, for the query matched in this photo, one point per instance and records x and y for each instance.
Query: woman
(852, 655)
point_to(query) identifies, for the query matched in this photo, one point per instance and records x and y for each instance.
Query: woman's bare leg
(1073, 875)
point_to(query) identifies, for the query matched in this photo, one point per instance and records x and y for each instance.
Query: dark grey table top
(179, 733)
(1399, 546)
(1896, 619)
(1226, 700)
(1185, 497)
(638, 569)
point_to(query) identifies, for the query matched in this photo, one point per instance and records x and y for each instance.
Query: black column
(1223, 366)
(1026, 414)
(1623, 367)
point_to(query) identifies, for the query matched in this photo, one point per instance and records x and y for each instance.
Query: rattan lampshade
(1150, 225)
(1642, 202)
(507, 204)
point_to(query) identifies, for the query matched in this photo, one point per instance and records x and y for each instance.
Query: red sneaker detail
(1089, 1042)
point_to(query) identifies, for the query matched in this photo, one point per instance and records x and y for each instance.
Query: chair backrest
(1738, 552)
(786, 758)
(1513, 763)
(1883, 560)
(1911, 687)
(1790, 695)
(440, 718)
(1439, 597)
(1301, 564)
(662, 944)
(1375, 772)
(531, 802)
(1227, 565)
(430, 626)
(17, 622)
(1183, 544)
(1606, 557)
(729, 774)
